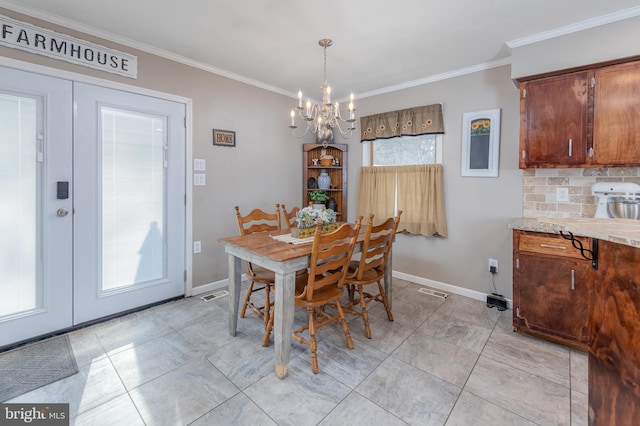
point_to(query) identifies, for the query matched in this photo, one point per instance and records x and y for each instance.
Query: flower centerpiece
(307, 219)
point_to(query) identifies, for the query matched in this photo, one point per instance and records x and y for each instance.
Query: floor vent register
(434, 293)
(216, 295)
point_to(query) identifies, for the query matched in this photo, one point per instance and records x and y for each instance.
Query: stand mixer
(607, 191)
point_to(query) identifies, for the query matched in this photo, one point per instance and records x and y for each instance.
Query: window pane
(405, 150)
(20, 184)
(133, 197)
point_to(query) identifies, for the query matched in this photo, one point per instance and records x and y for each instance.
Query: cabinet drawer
(552, 244)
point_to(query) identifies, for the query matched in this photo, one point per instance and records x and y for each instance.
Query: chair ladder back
(376, 246)
(330, 256)
(258, 221)
(290, 217)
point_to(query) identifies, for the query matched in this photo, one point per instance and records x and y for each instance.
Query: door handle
(62, 212)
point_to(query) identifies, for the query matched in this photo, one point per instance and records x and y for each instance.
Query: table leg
(235, 284)
(388, 269)
(283, 321)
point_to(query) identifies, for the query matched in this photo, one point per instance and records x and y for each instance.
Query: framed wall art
(480, 143)
(224, 137)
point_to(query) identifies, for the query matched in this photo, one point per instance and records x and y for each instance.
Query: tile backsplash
(540, 190)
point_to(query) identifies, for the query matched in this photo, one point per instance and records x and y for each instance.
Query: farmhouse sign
(41, 41)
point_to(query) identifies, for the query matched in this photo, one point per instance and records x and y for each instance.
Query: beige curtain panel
(420, 195)
(405, 122)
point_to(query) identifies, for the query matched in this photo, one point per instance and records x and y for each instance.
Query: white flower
(308, 216)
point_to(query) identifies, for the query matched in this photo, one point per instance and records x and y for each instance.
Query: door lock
(62, 212)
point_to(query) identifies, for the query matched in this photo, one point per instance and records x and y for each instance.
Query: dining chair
(370, 269)
(321, 288)
(290, 217)
(261, 279)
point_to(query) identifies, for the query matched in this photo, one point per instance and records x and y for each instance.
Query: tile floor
(441, 362)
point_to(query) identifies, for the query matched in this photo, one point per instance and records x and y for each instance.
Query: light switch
(199, 164)
(199, 179)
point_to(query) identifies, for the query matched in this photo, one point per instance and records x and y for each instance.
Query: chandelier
(323, 119)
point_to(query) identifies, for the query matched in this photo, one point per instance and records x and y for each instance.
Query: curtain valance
(422, 120)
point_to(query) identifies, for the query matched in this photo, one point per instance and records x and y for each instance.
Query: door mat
(32, 366)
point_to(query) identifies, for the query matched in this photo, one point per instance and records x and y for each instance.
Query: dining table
(284, 255)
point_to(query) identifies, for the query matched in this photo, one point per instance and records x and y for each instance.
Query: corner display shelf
(338, 174)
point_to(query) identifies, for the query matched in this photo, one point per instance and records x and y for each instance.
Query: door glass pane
(133, 198)
(20, 183)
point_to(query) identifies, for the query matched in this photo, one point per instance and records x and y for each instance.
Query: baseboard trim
(214, 286)
(445, 287)
(217, 285)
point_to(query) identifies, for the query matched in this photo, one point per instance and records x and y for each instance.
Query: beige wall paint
(590, 46)
(262, 170)
(479, 210)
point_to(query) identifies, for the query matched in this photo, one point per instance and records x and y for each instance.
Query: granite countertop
(621, 231)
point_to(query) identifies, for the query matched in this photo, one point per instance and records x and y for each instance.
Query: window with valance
(417, 190)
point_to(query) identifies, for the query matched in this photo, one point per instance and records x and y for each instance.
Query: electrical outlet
(562, 195)
(493, 266)
(197, 247)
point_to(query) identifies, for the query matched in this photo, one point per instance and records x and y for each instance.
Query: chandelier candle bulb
(293, 117)
(300, 99)
(328, 95)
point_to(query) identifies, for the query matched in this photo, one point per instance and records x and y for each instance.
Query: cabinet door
(553, 115)
(552, 296)
(616, 126)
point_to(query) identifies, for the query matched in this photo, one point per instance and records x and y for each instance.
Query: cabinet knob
(570, 147)
(591, 152)
(524, 155)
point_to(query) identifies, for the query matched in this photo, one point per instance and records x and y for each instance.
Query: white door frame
(54, 72)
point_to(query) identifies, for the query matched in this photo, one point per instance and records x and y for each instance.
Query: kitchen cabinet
(614, 349)
(337, 171)
(553, 121)
(616, 120)
(551, 282)
(586, 118)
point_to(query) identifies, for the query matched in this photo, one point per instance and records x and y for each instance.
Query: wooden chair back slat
(289, 217)
(330, 256)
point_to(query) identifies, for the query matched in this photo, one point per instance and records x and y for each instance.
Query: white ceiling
(378, 45)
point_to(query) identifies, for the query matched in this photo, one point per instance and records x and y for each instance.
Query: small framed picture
(224, 137)
(480, 143)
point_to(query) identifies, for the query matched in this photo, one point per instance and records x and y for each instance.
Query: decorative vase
(332, 204)
(324, 180)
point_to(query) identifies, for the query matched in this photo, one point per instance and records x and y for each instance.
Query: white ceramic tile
(472, 410)
(118, 411)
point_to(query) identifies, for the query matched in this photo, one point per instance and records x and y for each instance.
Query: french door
(93, 221)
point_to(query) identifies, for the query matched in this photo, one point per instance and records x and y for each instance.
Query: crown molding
(578, 26)
(74, 25)
(437, 77)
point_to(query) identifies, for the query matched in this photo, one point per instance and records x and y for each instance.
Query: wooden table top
(262, 244)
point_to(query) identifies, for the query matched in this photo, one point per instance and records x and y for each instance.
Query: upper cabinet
(588, 118)
(616, 119)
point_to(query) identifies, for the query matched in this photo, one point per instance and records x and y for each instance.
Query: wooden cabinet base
(614, 349)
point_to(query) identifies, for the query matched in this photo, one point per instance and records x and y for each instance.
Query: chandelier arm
(293, 131)
(345, 133)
